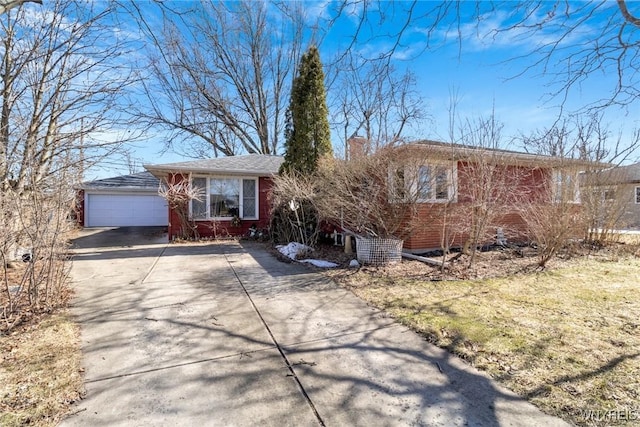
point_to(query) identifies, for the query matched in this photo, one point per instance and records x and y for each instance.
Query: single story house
(234, 192)
(128, 200)
(450, 183)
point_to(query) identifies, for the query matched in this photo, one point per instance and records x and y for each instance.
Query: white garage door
(120, 210)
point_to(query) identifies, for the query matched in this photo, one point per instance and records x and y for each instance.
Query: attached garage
(130, 200)
(118, 210)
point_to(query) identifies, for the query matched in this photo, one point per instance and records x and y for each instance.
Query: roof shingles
(250, 164)
(143, 181)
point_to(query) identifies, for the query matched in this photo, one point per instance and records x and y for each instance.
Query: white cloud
(502, 29)
(317, 11)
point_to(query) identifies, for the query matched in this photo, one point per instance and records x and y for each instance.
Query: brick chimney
(358, 147)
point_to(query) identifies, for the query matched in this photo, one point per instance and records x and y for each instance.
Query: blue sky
(479, 69)
(482, 70)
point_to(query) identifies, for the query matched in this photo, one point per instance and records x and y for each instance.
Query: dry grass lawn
(39, 371)
(566, 339)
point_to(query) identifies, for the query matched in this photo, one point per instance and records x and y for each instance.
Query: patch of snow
(294, 250)
(354, 263)
(320, 263)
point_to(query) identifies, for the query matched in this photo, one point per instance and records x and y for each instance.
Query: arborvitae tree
(307, 134)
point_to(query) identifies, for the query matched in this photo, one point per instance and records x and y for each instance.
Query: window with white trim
(566, 186)
(430, 183)
(225, 198)
(435, 183)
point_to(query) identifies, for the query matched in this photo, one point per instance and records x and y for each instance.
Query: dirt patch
(497, 262)
(492, 262)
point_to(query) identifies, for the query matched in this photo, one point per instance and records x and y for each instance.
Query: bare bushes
(555, 218)
(492, 186)
(179, 193)
(604, 190)
(551, 227)
(34, 231)
(375, 195)
(605, 204)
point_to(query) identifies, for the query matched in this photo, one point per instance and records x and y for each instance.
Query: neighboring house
(450, 179)
(234, 192)
(619, 187)
(129, 200)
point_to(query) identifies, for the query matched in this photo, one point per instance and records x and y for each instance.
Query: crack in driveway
(277, 345)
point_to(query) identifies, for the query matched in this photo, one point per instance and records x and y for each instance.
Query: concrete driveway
(224, 334)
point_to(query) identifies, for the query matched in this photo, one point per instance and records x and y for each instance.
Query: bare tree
(5, 5)
(568, 48)
(63, 77)
(553, 219)
(491, 181)
(370, 16)
(583, 137)
(220, 77)
(34, 231)
(378, 195)
(375, 101)
(221, 71)
(221, 74)
(572, 204)
(565, 41)
(604, 204)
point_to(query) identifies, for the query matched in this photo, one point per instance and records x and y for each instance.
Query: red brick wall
(225, 228)
(264, 189)
(174, 220)
(428, 233)
(530, 185)
(531, 182)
